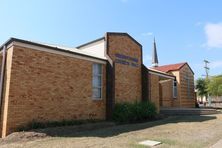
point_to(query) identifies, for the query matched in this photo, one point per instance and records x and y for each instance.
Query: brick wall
(186, 100)
(50, 87)
(154, 90)
(5, 98)
(128, 81)
(183, 98)
(166, 93)
(166, 97)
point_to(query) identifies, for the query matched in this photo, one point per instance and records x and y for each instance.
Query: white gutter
(2, 73)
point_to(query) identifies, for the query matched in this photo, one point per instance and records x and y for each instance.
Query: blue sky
(185, 30)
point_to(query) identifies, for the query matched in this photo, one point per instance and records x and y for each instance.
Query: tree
(201, 86)
(215, 86)
(220, 90)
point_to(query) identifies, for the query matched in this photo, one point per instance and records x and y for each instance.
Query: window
(188, 87)
(97, 81)
(174, 89)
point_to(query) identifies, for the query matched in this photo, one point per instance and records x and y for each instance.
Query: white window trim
(101, 87)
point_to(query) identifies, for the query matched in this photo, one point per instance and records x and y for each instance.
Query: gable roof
(91, 42)
(172, 67)
(110, 33)
(55, 47)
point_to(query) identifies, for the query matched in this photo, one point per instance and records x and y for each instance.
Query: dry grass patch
(180, 131)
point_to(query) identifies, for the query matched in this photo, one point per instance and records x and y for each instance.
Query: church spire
(154, 56)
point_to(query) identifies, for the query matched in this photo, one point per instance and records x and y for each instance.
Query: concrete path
(218, 144)
(187, 111)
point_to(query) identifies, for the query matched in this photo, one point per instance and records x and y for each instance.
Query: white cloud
(147, 34)
(216, 64)
(214, 35)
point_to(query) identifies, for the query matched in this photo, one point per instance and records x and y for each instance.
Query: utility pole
(207, 69)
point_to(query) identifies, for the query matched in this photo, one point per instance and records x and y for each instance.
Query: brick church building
(43, 82)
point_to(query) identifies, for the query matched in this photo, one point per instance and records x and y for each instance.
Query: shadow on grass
(107, 129)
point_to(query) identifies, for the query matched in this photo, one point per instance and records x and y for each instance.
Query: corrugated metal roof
(55, 47)
(75, 50)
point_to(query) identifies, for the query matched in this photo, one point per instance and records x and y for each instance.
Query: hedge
(134, 112)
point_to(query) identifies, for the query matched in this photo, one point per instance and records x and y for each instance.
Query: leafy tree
(220, 90)
(201, 86)
(215, 86)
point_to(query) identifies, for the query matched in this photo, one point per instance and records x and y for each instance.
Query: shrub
(134, 112)
(36, 124)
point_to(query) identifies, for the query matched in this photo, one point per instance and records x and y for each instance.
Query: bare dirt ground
(178, 131)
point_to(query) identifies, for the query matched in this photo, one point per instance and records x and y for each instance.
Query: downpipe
(2, 74)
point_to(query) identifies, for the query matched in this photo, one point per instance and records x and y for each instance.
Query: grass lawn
(180, 131)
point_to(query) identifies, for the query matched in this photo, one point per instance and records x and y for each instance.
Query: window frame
(187, 78)
(96, 75)
(188, 88)
(175, 87)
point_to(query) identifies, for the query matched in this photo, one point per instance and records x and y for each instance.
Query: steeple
(154, 55)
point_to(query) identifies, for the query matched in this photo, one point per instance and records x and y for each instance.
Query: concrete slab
(175, 111)
(149, 143)
(217, 145)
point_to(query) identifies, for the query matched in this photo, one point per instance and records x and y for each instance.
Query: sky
(185, 30)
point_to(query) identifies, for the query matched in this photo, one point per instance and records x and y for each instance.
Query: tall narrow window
(174, 89)
(97, 81)
(188, 87)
